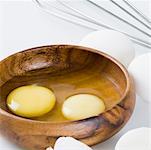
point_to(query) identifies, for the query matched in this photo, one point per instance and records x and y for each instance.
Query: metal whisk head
(68, 12)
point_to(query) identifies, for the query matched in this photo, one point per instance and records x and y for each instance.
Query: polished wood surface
(67, 70)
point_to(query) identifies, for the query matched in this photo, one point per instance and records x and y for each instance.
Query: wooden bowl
(66, 63)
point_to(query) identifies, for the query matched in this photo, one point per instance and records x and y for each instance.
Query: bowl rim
(107, 56)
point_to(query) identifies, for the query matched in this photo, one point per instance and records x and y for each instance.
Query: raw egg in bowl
(63, 90)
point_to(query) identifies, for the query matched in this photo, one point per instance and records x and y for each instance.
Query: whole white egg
(140, 69)
(111, 42)
(136, 139)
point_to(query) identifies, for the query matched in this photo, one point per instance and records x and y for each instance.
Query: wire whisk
(81, 16)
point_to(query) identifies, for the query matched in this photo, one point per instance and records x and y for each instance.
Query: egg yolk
(82, 106)
(31, 101)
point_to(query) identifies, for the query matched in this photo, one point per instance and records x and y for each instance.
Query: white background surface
(23, 25)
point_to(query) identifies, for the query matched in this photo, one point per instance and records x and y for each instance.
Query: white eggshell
(49, 148)
(140, 69)
(69, 143)
(136, 139)
(111, 42)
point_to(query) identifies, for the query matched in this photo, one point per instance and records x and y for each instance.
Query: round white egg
(111, 42)
(136, 139)
(69, 143)
(140, 69)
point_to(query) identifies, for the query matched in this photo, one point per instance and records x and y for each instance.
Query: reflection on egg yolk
(82, 106)
(31, 101)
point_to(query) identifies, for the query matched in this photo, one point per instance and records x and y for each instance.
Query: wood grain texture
(38, 63)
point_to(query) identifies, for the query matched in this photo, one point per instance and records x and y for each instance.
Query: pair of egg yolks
(33, 101)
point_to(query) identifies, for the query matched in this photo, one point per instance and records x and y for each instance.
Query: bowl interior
(66, 70)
